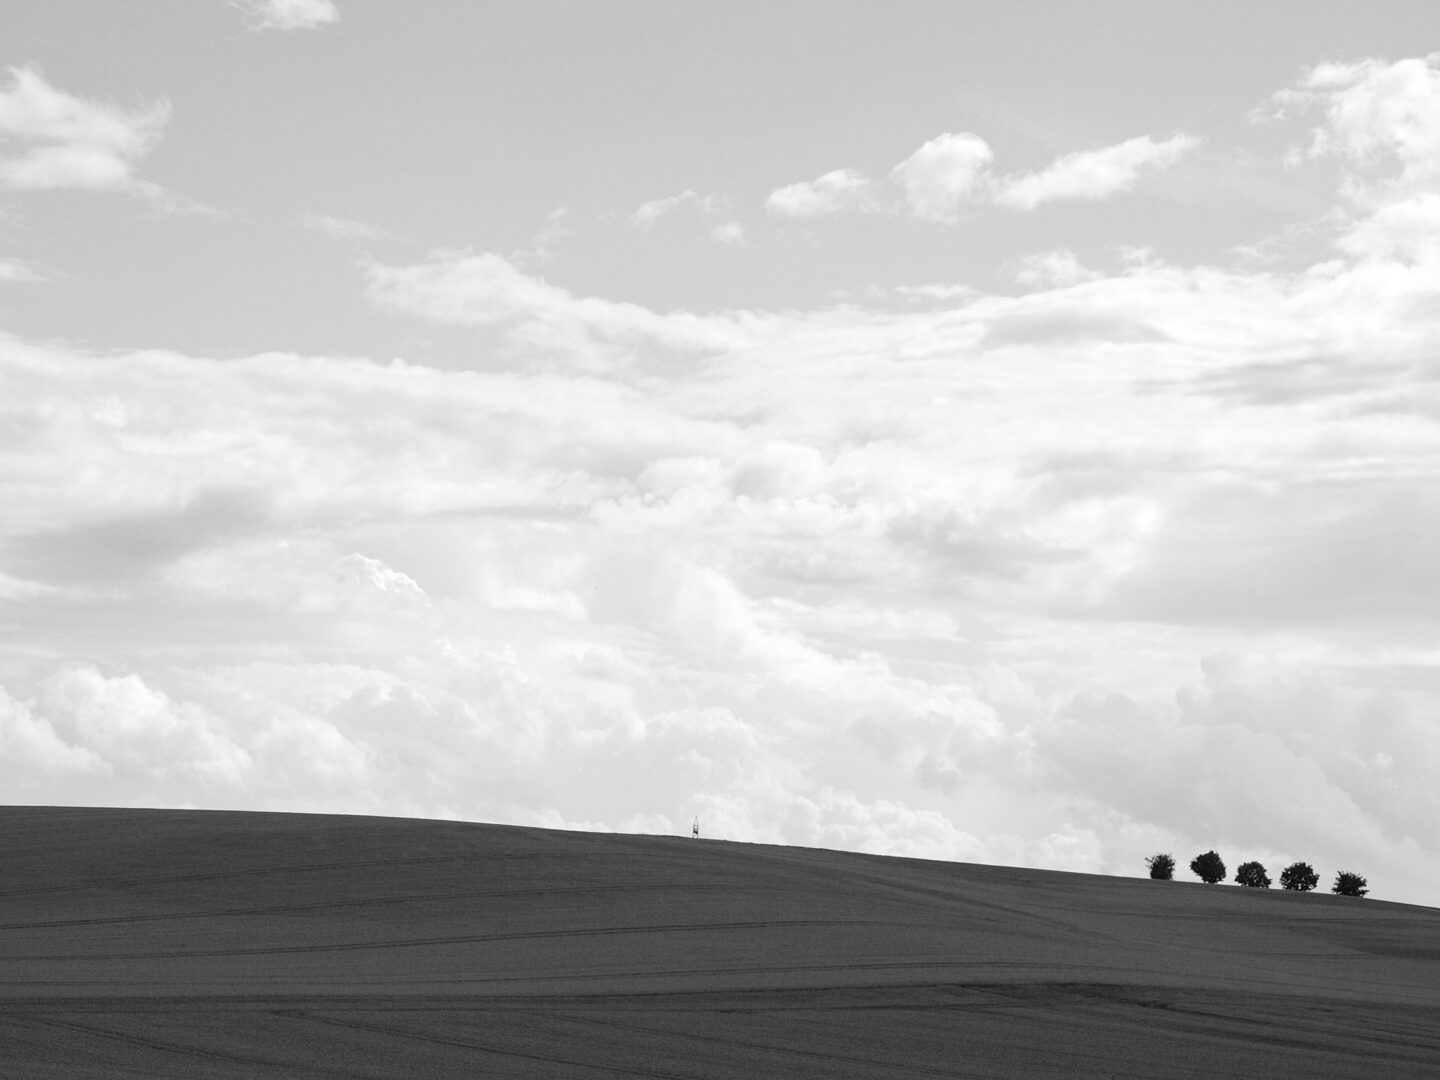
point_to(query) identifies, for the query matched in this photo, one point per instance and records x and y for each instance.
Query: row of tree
(1297, 877)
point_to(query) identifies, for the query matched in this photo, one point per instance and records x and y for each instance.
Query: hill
(138, 943)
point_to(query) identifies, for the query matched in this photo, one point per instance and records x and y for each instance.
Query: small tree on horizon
(1162, 867)
(1348, 884)
(1209, 867)
(1252, 875)
(1299, 877)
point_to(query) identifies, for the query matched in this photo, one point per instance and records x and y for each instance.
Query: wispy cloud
(56, 140)
(486, 289)
(1092, 174)
(1058, 267)
(647, 214)
(842, 189)
(346, 229)
(19, 271)
(289, 14)
(954, 170)
(730, 233)
(934, 293)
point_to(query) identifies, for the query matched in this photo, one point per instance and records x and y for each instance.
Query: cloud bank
(1136, 560)
(1062, 578)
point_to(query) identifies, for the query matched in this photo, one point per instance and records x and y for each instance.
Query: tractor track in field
(316, 906)
(188, 1051)
(458, 939)
(497, 1050)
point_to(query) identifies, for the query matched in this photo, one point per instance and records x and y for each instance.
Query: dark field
(203, 945)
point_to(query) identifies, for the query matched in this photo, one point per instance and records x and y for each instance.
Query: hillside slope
(234, 945)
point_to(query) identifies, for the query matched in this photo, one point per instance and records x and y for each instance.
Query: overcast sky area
(998, 432)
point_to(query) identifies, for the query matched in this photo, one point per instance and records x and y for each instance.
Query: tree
(1162, 867)
(1348, 884)
(1299, 877)
(1209, 867)
(1252, 875)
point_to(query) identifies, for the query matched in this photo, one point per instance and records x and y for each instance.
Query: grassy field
(158, 944)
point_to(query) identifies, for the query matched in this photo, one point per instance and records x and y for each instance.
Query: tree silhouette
(1299, 877)
(1348, 884)
(1209, 867)
(1162, 867)
(1252, 875)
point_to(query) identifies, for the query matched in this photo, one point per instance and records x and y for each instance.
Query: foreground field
(226, 945)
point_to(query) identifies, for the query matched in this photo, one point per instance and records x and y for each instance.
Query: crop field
(198, 945)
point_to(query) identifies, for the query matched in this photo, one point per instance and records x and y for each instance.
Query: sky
(1006, 433)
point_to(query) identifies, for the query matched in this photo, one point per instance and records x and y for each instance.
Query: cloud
(838, 819)
(482, 290)
(135, 728)
(32, 754)
(1381, 119)
(125, 546)
(647, 214)
(289, 14)
(1407, 230)
(487, 290)
(729, 233)
(1056, 268)
(1325, 766)
(17, 271)
(371, 573)
(296, 574)
(1092, 174)
(1134, 560)
(944, 293)
(346, 229)
(842, 189)
(60, 141)
(944, 174)
(540, 249)
(954, 170)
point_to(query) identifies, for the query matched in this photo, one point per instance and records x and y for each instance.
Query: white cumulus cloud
(1382, 119)
(51, 139)
(944, 174)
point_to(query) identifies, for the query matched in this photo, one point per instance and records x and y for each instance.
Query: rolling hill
(206, 944)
